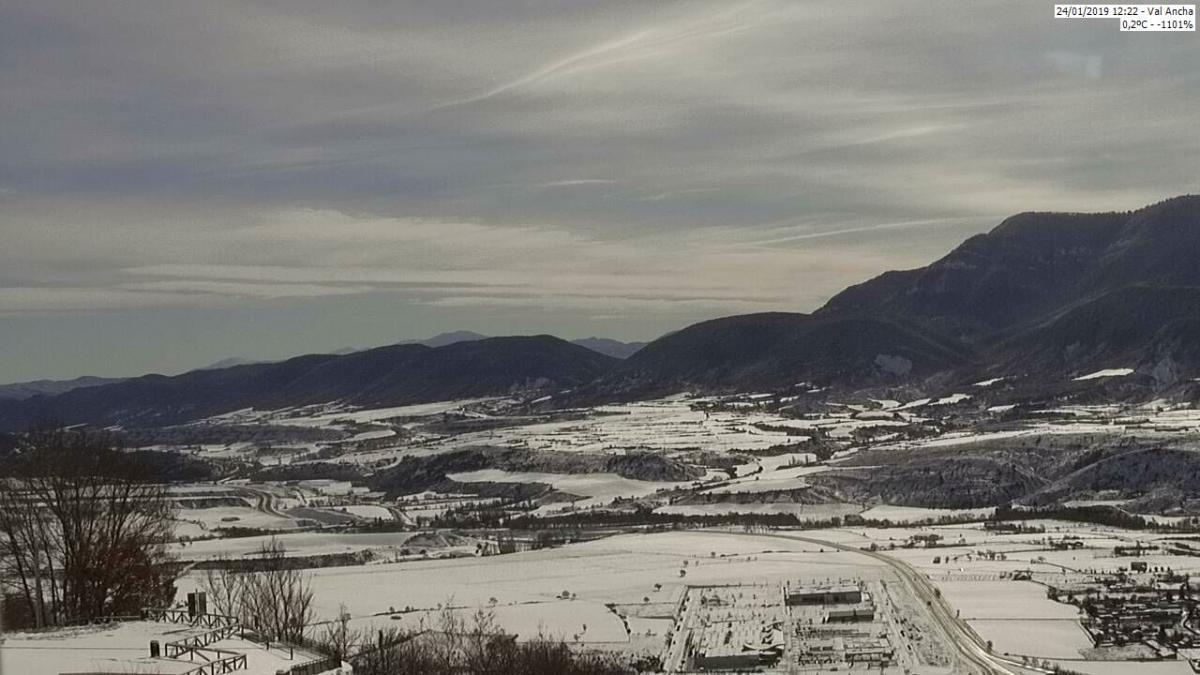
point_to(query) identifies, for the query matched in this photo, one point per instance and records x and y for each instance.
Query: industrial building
(851, 614)
(824, 594)
(733, 645)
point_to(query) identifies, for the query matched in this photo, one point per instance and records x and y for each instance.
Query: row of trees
(83, 531)
(457, 645)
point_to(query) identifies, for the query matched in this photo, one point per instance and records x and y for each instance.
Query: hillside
(1034, 266)
(778, 349)
(1156, 328)
(1044, 293)
(394, 375)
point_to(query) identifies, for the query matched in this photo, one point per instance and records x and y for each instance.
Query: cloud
(26, 299)
(444, 262)
(618, 158)
(243, 290)
(652, 42)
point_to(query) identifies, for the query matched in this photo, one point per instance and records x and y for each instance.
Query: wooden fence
(189, 645)
(178, 615)
(227, 663)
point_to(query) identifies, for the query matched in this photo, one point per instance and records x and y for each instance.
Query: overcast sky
(186, 181)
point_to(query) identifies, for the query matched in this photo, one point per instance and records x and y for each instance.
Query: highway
(965, 642)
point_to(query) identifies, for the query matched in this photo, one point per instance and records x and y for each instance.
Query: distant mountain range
(606, 346)
(613, 348)
(22, 390)
(394, 375)
(443, 339)
(1044, 294)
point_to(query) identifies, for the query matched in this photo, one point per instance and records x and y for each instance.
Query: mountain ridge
(991, 305)
(391, 375)
(1051, 294)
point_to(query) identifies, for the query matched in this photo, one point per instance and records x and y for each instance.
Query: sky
(182, 182)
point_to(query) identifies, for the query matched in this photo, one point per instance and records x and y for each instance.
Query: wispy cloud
(645, 43)
(660, 162)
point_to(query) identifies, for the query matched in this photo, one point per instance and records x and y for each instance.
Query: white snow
(125, 648)
(988, 383)
(1108, 372)
(599, 488)
(368, 511)
(527, 587)
(952, 399)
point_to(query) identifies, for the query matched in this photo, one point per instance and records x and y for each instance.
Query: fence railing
(177, 615)
(223, 627)
(189, 645)
(229, 663)
(217, 661)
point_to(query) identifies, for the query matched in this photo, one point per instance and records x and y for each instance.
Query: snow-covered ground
(783, 478)
(909, 514)
(235, 516)
(367, 511)
(663, 425)
(125, 648)
(810, 512)
(1107, 372)
(333, 415)
(527, 588)
(598, 488)
(297, 543)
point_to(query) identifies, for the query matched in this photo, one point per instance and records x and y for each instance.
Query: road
(263, 501)
(677, 655)
(965, 642)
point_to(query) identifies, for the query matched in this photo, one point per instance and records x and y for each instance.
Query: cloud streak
(456, 162)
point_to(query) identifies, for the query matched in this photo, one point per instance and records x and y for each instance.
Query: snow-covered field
(527, 588)
(1045, 638)
(909, 514)
(235, 516)
(664, 425)
(809, 512)
(125, 648)
(769, 480)
(298, 543)
(1004, 600)
(367, 511)
(334, 415)
(598, 488)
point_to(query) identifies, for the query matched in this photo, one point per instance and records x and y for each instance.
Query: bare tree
(271, 597)
(279, 598)
(475, 645)
(83, 529)
(224, 588)
(338, 639)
